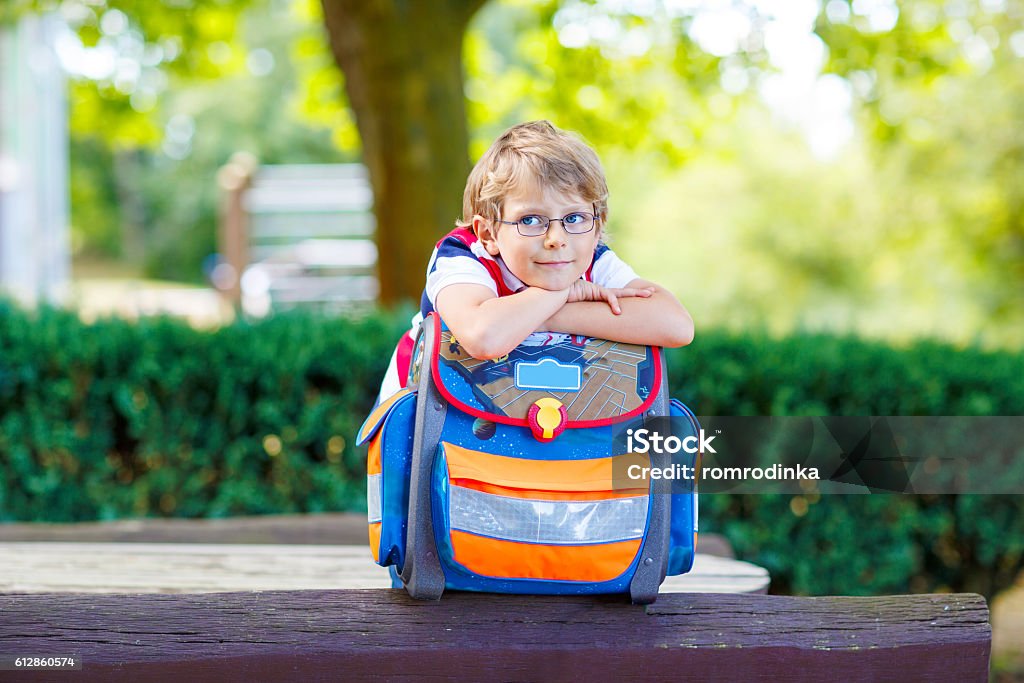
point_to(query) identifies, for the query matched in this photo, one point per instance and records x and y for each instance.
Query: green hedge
(860, 544)
(119, 419)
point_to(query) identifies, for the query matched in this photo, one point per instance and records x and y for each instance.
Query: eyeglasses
(575, 223)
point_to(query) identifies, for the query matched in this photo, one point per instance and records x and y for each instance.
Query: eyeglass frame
(593, 223)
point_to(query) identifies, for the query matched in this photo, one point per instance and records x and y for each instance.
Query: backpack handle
(422, 573)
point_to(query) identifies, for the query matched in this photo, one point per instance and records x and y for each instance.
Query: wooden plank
(268, 227)
(311, 255)
(309, 197)
(200, 568)
(328, 528)
(337, 528)
(373, 634)
(303, 173)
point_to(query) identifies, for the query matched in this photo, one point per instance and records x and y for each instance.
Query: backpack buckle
(547, 419)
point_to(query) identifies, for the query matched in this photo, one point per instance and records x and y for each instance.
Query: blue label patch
(549, 375)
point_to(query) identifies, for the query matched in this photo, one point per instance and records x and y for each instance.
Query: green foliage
(860, 544)
(628, 78)
(157, 41)
(97, 214)
(157, 207)
(820, 374)
(940, 96)
(915, 228)
(119, 419)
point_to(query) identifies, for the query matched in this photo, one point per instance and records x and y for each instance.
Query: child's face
(551, 261)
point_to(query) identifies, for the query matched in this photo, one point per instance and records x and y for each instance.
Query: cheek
(587, 251)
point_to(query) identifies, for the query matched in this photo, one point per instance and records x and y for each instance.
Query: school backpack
(509, 475)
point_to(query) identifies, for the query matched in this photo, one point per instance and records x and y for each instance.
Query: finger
(630, 291)
(613, 301)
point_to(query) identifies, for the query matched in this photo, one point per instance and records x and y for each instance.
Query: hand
(581, 290)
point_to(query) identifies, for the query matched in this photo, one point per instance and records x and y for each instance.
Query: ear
(486, 232)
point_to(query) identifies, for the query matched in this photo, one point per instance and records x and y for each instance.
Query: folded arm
(658, 320)
(487, 326)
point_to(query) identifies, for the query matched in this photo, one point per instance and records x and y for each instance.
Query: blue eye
(531, 221)
(575, 219)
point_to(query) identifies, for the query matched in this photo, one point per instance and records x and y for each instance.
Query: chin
(554, 284)
(562, 283)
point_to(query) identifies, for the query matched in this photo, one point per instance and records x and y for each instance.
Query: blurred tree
(127, 52)
(403, 70)
(150, 131)
(631, 79)
(403, 67)
(407, 93)
(141, 44)
(930, 216)
(626, 76)
(941, 93)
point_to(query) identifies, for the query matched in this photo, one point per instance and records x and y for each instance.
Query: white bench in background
(299, 235)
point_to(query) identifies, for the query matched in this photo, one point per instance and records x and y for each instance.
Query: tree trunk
(402, 61)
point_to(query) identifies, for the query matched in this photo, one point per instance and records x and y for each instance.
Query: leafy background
(882, 275)
(914, 226)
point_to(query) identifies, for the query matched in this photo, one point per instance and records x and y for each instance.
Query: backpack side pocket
(389, 432)
(683, 536)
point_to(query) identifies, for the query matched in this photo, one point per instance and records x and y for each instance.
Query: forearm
(500, 324)
(659, 320)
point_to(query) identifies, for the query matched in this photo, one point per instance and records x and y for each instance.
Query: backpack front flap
(549, 383)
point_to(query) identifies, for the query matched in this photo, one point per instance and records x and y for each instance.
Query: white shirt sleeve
(456, 270)
(611, 271)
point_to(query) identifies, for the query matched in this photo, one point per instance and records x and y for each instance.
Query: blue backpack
(509, 475)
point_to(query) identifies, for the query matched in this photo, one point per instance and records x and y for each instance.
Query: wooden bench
(328, 528)
(297, 234)
(203, 568)
(95, 600)
(271, 552)
(354, 635)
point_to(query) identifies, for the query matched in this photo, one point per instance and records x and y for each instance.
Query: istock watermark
(676, 471)
(643, 440)
(848, 455)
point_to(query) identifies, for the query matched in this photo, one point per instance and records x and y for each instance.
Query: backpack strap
(653, 565)
(422, 573)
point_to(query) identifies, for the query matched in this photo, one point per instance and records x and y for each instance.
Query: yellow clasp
(549, 416)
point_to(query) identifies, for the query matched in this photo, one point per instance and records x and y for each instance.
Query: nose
(555, 238)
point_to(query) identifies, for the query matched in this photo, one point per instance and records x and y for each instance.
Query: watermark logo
(824, 455)
(644, 440)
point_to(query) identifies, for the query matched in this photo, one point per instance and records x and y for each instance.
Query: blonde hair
(538, 152)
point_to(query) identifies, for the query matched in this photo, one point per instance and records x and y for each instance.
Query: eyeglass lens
(575, 223)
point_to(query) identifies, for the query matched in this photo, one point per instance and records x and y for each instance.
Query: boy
(527, 257)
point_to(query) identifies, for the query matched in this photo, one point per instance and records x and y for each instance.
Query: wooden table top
(41, 567)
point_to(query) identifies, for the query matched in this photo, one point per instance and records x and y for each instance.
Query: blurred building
(35, 259)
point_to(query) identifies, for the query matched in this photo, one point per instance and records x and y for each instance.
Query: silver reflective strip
(547, 521)
(373, 506)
